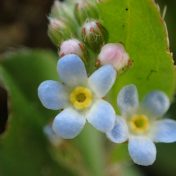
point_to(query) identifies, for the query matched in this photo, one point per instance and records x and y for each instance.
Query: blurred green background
(23, 23)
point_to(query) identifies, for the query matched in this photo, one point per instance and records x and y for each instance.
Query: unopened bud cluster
(61, 22)
(93, 33)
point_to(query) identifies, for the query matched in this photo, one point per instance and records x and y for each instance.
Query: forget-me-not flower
(139, 124)
(80, 97)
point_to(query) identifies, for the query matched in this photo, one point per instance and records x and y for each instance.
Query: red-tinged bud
(94, 35)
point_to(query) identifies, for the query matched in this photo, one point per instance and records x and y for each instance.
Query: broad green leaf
(139, 26)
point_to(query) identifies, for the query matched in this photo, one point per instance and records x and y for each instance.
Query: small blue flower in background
(79, 96)
(139, 124)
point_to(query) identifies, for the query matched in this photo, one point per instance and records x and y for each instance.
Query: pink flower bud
(72, 46)
(114, 54)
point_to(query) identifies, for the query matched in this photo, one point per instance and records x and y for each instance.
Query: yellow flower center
(81, 98)
(139, 123)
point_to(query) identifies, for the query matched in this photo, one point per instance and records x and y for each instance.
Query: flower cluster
(81, 98)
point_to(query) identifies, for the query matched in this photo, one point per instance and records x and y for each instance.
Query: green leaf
(23, 147)
(139, 26)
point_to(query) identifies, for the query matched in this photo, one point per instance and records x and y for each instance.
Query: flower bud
(61, 9)
(114, 54)
(94, 34)
(73, 46)
(57, 31)
(85, 10)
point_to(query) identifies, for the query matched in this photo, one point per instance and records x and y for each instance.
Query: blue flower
(139, 124)
(79, 96)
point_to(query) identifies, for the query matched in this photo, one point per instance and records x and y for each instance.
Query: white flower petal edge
(71, 70)
(127, 99)
(68, 124)
(119, 133)
(101, 116)
(156, 103)
(52, 95)
(102, 80)
(142, 150)
(165, 131)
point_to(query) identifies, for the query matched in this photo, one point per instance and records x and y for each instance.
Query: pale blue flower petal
(52, 94)
(165, 131)
(101, 116)
(156, 103)
(68, 124)
(127, 99)
(71, 70)
(142, 150)
(119, 133)
(102, 80)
